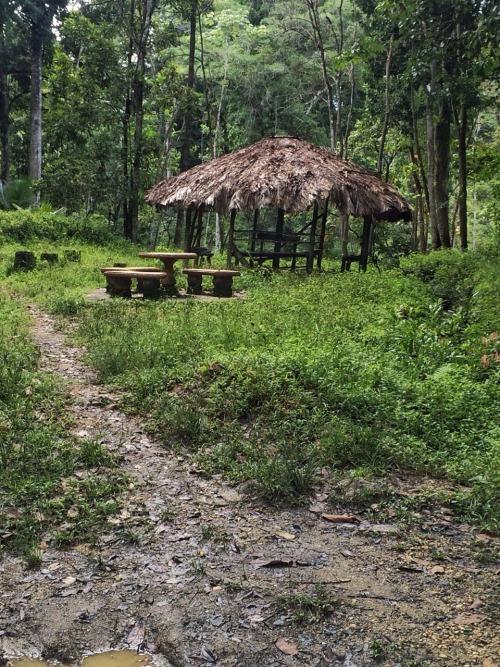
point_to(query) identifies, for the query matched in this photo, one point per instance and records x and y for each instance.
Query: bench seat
(119, 281)
(222, 279)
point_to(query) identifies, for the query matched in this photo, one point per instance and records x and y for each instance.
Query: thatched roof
(280, 172)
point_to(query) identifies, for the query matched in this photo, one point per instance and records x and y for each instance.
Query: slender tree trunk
(312, 10)
(127, 226)
(387, 113)
(443, 136)
(461, 124)
(431, 163)
(4, 127)
(188, 115)
(35, 163)
(148, 8)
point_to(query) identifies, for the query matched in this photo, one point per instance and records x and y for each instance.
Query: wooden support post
(280, 223)
(322, 233)
(230, 239)
(312, 240)
(187, 231)
(199, 229)
(254, 229)
(365, 242)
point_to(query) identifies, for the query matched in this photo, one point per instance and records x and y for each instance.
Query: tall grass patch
(52, 486)
(385, 372)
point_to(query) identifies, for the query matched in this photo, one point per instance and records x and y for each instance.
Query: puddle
(125, 658)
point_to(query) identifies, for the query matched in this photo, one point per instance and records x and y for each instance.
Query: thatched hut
(289, 175)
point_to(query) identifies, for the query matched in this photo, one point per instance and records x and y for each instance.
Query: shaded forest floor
(204, 574)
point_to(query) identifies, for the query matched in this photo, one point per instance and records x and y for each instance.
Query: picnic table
(169, 259)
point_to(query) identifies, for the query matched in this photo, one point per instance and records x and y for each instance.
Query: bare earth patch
(199, 573)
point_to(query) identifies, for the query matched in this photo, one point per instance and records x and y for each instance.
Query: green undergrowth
(387, 372)
(61, 287)
(53, 487)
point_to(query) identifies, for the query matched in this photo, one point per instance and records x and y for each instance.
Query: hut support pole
(187, 231)
(322, 234)
(254, 230)
(230, 239)
(365, 242)
(312, 240)
(280, 223)
(199, 229)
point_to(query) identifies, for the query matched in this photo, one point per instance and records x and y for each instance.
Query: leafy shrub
(22, 226)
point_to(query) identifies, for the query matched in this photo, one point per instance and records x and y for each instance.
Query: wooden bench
(222, 279)
(119, 281)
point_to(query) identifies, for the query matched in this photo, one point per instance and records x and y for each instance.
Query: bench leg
(195, 285)
(223, 286)
(119, 286)
(148, 287)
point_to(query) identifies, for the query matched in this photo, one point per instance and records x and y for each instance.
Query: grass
(308, 606)
(310, 376)
(52, 486)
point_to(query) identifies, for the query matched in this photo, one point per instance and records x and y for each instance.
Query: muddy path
(199, 573)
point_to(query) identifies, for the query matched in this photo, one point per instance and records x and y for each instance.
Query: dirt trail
(184, 570)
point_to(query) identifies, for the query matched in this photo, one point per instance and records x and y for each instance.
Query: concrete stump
(24, 261)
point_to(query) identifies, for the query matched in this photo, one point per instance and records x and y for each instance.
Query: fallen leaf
(483, 537)
(488, 663)
(341, 518)
(275, 562)
(469, 619)
(231, 495)
(68, 581)
(316, 508)
(285, 535)
(437, 569)
(288, 648)
(69, 591)
(477, 603)
(208, 655)
(347, 554)
(383, 528)
(12, 513)
(136, 636)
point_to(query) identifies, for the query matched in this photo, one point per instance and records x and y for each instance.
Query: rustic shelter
(289, 175)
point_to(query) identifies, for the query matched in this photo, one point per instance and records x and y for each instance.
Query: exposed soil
(186, 570)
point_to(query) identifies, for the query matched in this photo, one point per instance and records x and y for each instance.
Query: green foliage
(23, 226)
(305, 375)
(16, 194)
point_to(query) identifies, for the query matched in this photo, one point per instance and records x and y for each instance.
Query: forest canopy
(99, 101)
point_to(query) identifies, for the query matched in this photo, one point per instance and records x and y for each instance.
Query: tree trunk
(443, 174)
(148, 8)
(127, 227)
(462, 176)
(387, 113)
(431, 162)
(4, 127)
(312, 10)
(188, 118)
(35, 163)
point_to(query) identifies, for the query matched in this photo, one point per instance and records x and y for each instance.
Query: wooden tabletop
(169, 255)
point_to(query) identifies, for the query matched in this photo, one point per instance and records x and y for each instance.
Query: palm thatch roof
(280, 172)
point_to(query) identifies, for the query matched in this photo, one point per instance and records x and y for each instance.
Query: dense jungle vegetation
(310, 377)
